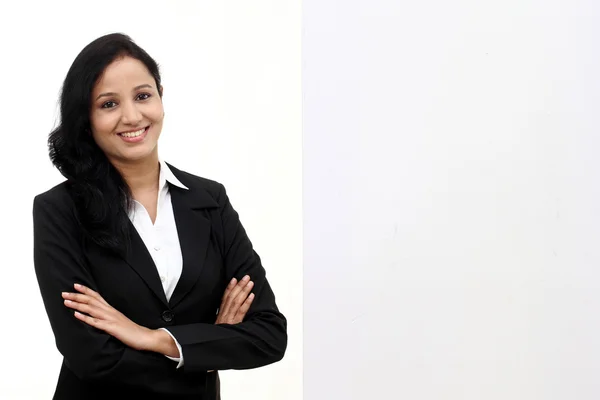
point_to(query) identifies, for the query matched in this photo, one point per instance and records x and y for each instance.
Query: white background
(231, 74)
(451, 199)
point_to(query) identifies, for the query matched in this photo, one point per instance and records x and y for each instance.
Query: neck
(140, 175)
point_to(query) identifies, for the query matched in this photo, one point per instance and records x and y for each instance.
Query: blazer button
(168, 316)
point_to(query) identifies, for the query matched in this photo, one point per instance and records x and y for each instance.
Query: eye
(144, 96)
(108, 104)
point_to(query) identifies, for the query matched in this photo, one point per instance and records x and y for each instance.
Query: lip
(136, 139)
(133, 130)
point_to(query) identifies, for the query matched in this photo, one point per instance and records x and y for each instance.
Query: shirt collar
(166, 175)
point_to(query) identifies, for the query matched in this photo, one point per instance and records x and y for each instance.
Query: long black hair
(100, 194)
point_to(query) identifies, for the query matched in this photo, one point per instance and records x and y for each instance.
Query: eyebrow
(107, 94)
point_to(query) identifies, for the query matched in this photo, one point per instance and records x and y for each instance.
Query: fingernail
(77, 285)
(251, 295)
(246, 278)
(232, 281)
(250, 283)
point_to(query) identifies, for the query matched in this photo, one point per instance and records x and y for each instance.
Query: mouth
(134, 136)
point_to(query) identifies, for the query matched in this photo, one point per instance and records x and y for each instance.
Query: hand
(92, 309)
(236, 301)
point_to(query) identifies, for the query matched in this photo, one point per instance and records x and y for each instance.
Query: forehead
(123, 74)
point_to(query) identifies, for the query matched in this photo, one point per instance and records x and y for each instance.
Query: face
(126, 112)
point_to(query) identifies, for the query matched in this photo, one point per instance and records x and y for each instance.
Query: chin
(134, 155)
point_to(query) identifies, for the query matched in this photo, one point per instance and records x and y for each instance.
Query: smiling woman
(127, 108)
(149, 280)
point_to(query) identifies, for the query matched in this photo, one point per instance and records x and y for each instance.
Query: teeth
(133, 134)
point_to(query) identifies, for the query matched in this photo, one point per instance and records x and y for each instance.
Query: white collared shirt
(161, 238)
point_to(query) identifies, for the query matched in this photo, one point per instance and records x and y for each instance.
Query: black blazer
(215, 248)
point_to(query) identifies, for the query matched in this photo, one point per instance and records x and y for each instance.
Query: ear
(160, 90)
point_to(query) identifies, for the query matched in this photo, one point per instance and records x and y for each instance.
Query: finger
(86, 290)
(238, 302)
(96, 323)
(85, 299)
(234, 292)
(229, 287)
(239, 285)
(227, 309)
(246, 291)
(242, 296)
(243, 310)
(78, 297)
(86, 308)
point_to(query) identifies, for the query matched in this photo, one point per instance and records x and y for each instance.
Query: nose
(131, 115)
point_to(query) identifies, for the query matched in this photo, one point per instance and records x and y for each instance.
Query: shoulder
(55, 207)
(58, 196)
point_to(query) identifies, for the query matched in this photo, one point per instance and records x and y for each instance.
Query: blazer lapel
(193, 230)
(141, 261)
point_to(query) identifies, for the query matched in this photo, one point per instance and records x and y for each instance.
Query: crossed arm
(91, 308)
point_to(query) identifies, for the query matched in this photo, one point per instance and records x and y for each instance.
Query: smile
(134, 136)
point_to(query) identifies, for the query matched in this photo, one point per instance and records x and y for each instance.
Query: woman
(134, 258)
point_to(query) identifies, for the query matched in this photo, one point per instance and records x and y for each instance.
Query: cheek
(156, 112)
(102, 128)
(101, 140)
(103, 124)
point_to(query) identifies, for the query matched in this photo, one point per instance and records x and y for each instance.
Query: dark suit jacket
(215, 248)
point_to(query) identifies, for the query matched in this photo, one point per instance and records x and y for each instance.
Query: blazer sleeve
(261, 338)
(90, 353)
